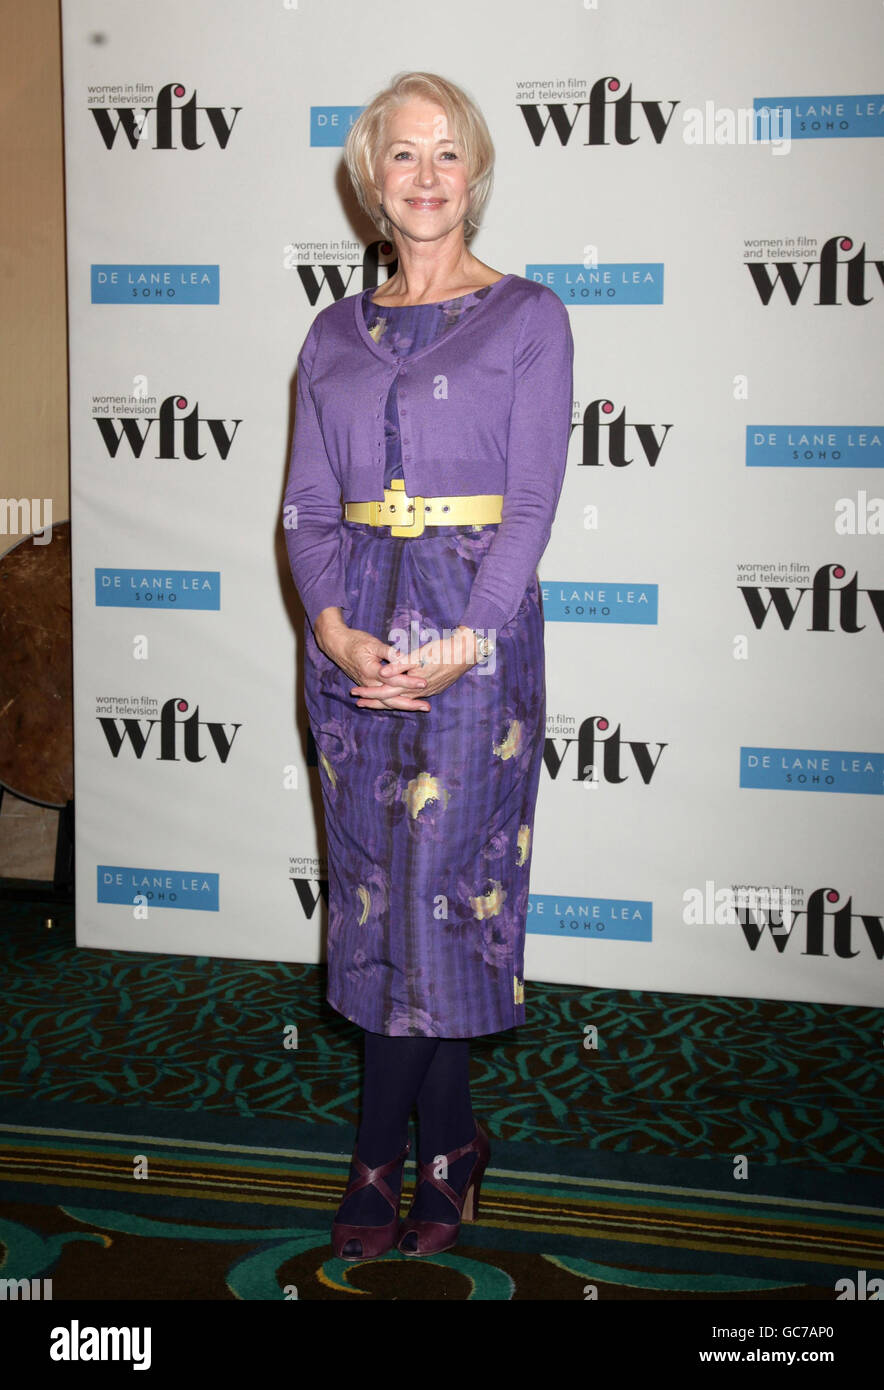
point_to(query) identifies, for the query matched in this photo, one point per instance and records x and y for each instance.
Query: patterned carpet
(160, 1138)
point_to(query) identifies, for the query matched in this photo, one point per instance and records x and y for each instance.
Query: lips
(425, 202)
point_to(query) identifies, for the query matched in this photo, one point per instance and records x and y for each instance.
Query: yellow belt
(425, 511)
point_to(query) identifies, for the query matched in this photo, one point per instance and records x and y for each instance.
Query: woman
(438, 408)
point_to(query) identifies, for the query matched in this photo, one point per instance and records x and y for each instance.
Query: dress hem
(517, 1021)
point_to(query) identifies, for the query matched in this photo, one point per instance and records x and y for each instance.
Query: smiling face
(421, 171)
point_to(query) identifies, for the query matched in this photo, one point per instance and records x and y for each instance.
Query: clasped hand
(389, 679)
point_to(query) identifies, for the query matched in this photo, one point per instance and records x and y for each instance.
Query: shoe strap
(374, 1177)
(426, 1173)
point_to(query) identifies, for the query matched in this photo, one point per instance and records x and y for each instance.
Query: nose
(426, 174)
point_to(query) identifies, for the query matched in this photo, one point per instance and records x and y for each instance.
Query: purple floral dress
(429, 816)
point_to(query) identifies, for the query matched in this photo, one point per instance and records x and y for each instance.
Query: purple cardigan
(486, 408)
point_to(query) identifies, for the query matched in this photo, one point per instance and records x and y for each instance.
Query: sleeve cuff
(318, 602)
(484, 616)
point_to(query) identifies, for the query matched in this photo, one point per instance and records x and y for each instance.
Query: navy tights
(434, 1074)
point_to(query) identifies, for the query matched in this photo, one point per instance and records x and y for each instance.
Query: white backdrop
(209, 220)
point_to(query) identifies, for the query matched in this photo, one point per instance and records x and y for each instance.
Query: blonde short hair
(468, 129)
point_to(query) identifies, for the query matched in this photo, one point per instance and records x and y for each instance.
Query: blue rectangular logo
(568, 602)
(814, 446)
(824, 117)
(161, 589)
(159, 888)
(330, 125)
(617, 282)
(589, 919)
(812, 770)
(156, 284)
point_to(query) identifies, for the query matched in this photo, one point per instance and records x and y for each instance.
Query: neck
(431, 271)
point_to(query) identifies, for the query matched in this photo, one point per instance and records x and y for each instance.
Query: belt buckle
(416, 525)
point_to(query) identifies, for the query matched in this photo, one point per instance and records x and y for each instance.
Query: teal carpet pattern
(181, 1128)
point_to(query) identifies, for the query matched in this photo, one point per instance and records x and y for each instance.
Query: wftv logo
(827, 278)
(314, 278)
(825, 927)
(176, 436)
(600, 759)
(309, 900)
(169, 731)
(822, 592)
(601, 426)
(600, 130)
(164, 122)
